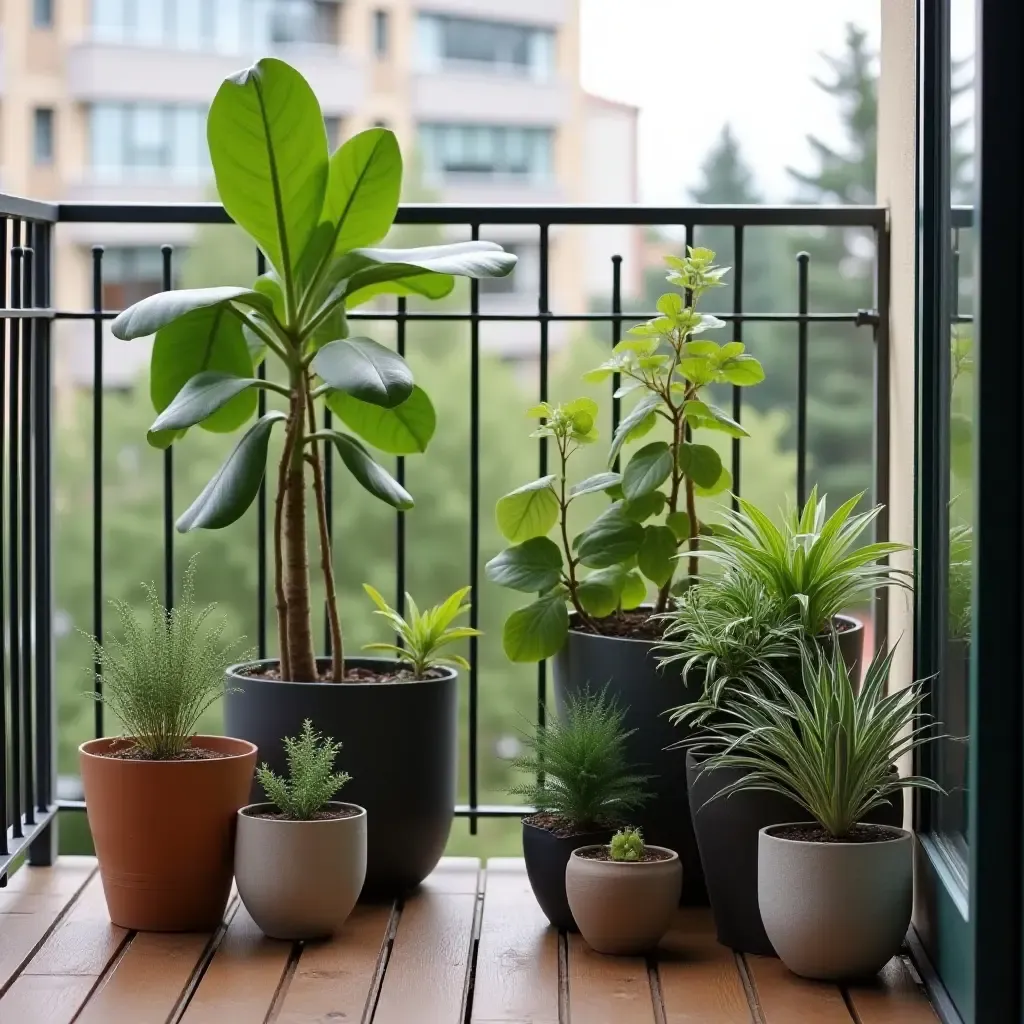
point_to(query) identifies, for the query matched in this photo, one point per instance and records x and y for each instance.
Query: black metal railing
(27, 240)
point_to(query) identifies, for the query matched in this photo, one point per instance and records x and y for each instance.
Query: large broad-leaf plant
(317, 217)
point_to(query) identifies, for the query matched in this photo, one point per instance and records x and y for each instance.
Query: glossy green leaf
(634, 590)
(528, 511)
(637, 422)
(601, 590)
(208, 339)
(201, 396)
(723, 483)
(647, 470)
(235, 485)
(742, 370)
(717, 419)
(597, 482)
(366, 370)
(373, 476)
(679, 524)
(670, 305)
(656, 557)
(701, 463)
(537, 631)
(611, 538)
(155, 311)
(647, 505)
(534, 566)
(404, 430)
(268, 147)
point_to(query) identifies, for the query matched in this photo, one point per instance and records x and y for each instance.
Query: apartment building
(106, 99)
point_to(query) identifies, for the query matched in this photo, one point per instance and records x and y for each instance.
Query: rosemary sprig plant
(312, 781)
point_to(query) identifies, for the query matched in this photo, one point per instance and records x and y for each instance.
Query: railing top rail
(445, 213)
(27, 209)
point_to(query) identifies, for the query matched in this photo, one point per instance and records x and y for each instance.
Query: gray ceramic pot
(399, 744)
(623, 908)
(835, 910)
(300, 879)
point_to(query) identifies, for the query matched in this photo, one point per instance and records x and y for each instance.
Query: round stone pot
(399, 744)
(835, 911)
(546, 858)
(623, 908)
(164, 832)
(300, 879)
(728, 836)
(629, 670)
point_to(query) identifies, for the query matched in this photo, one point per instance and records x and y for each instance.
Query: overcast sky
(692, 65)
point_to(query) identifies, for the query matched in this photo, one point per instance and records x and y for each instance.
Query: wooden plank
(784, 997)
(333, 980)
(243, 976)
(517, 959)
(64, 878)
(700, 980)
(45, 999)
(895, 998)
(607, 988)
(427, 974)
(147, 982)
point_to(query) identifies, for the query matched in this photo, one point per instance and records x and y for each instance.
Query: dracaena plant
(315, 216)
(639, 537)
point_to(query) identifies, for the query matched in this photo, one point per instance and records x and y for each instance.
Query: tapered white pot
(835, 910)
(300, 879)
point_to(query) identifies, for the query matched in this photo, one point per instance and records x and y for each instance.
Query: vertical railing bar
(261, 507)
(737, 392)
(166, 254)
(882, 418)
(803, 259)
(616, 327)
(27, 483)
(97, 477)
(542, 457)
(400, 586)
(5, 627)
(474, 536)
(14, 479)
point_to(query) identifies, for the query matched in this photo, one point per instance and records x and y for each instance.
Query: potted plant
(300, 859)
(583, 787)
(589, 610)
(624, 894)
(315, 216)
(161, 800)
(835, 892)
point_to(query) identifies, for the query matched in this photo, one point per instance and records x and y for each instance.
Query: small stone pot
(623, 908)
(835, 911)
(300, 879)
(546, 857)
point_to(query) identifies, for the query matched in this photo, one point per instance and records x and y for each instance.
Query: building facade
(106, 99)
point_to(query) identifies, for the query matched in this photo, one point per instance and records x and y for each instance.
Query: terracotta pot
(164, 832)
(623, 908)
(300, 879)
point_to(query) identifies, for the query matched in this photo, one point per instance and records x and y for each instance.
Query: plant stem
(299, 618)
(279, 594)
(563, 506)
(326, 560)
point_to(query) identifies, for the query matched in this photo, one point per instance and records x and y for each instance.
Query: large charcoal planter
(399, 745)
(727, 836)
(629, 669)
(850, 633)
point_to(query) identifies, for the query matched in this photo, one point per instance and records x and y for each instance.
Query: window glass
(42, 13)
(150, 22)
(141, 140)
(493, 45)
(190, 32)
(109, 20)
(381, 42)
(486, 150)
(42, 135)
(107, 139)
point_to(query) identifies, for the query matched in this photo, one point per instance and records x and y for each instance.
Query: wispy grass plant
(165, 671)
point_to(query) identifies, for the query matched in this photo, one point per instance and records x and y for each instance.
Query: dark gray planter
(851, 646)
(727, 836)
(399, 745)
(629, 669)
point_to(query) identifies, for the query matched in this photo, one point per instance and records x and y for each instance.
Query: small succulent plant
(627, 844)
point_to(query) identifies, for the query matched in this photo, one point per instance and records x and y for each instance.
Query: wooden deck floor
(470, 948)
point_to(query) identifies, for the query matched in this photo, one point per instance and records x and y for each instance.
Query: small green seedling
(627, 844)
(312, 781)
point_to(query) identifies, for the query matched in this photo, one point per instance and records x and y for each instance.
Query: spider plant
(830, 749)
(811, 564)
(959, 580)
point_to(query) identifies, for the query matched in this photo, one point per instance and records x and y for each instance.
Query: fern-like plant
(627, 844)
(582, 775)
(829, 748)
(165, 671)
(424, 633)
(312, 781)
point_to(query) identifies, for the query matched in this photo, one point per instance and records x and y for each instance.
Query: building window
(486, 151)
(130, 274)
(136, 141)
(381, 33)
(332, 125)
(42, 13)
(494, 46)
(42, 136)
(237, 27)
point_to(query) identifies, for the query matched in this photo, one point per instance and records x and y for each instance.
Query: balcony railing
(29, 232)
